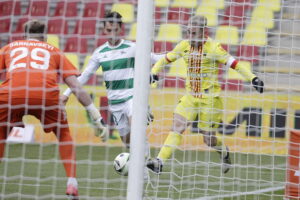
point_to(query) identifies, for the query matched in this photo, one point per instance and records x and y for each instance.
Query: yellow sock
(219, 146)
(219, 141)
(172, 141)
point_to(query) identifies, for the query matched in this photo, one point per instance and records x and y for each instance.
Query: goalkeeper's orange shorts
(52, 117)
(208, 110)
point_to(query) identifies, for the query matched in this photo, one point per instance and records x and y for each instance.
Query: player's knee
(210, 140)
(125, 136)
(179, 127)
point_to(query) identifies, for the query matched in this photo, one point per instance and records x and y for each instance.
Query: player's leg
(184, 112)
(68, 157)
(209, 119)
(11, 117)
(3, 130)
(121, 114)
(55, 120)
(2, 141)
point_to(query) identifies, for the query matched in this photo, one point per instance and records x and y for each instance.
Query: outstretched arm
(79, 92)
(225, 58)
(86, 101)
(160, 64)
(245, 72)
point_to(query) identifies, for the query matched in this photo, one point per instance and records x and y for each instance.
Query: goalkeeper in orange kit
(203, 56)
(32, 68)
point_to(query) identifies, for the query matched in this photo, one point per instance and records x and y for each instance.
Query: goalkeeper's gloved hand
(258, 84)
(101, 130)
(153, 78)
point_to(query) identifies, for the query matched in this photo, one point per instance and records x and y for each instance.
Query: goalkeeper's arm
(86, 101)
(85, 76)
(245, 72)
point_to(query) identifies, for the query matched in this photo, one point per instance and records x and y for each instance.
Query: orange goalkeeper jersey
(32, 70)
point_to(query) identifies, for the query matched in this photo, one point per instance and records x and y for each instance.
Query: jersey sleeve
(230, 62)
(66, 67)
(221, 55)
(173, 55)
(156, 57)
(244, 71)
(177, 52)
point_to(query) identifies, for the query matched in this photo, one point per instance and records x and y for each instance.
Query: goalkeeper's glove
(258, 84)
(101, 130)
(153, 78)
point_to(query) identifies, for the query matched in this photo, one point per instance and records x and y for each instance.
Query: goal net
(262, 35)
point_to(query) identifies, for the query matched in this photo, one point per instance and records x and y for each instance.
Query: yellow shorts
(209, 111)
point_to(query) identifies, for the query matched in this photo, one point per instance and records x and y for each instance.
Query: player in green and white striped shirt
(116, 57)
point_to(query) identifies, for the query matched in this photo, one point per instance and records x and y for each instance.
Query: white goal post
(140, 100)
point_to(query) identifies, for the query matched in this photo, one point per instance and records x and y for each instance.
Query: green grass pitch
(34, 171)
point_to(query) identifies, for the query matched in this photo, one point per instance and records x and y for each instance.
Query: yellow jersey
(202, 66)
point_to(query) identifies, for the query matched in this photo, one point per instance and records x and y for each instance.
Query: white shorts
(121, 113)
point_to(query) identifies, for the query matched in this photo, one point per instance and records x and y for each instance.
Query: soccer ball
(121, 163)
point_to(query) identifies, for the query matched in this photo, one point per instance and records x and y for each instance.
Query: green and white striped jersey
(117, 64)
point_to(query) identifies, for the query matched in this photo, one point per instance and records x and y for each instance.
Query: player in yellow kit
(203, 56)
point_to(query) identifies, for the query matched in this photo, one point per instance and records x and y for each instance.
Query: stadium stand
(94, 9)
(210, 13)
(37, 8)
(227, 35)
(10, 7)
(126, 10)
(5, 25)
(252, 20)
(274, 5)
(20, 24)
(162, 47)
(53, 40)
(101, 40)
(169, 33)
(162, 3)
(76, 44)
(132, 32)
(184, 4)
(255, 35)
(86, 27)
(73, 57)
(217, 4)
(179, 15)
(235, 14)
(248, 53)
(66, 9)
(57, 26)
(262, 17)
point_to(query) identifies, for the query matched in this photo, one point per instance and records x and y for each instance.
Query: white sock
(72, 181)
(147, 149)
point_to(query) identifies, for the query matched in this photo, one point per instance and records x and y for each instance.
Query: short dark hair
(198, 20)
(113, 17)
(34, 27)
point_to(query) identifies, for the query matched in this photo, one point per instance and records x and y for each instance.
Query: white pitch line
(242, 193)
